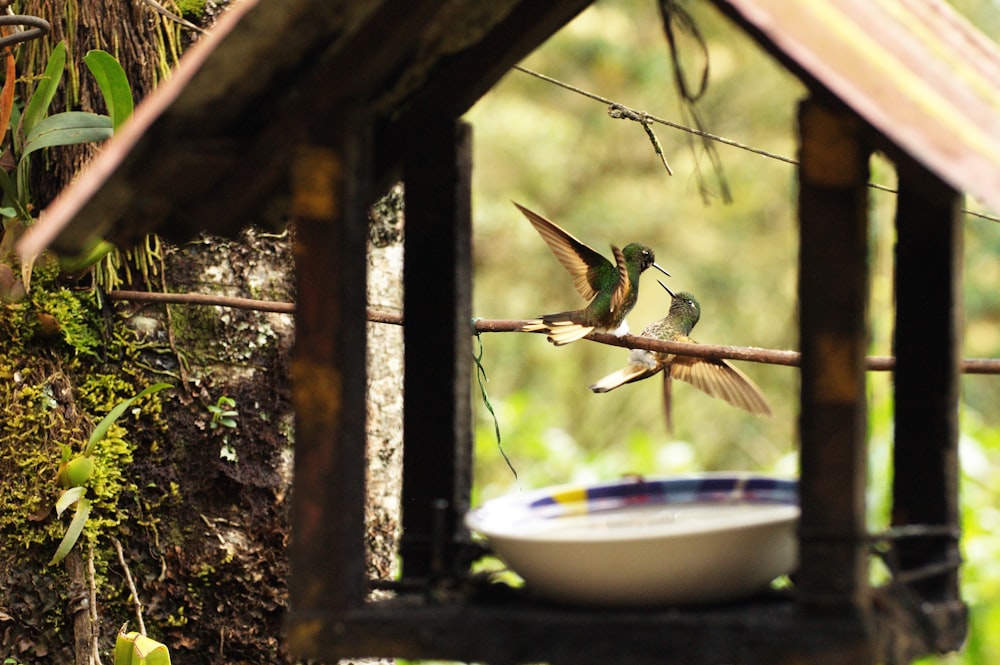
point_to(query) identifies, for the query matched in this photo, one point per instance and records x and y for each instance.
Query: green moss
(67, 315)
(199, 327)
(191, 9)
(55, 384)
(204, 571)
(52, 318)
(178, 618)
(33, 425)
(112, 456)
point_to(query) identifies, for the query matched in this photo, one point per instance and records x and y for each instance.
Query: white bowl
(671, 541)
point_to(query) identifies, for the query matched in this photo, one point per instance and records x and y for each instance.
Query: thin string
(676, 21)
(483, 380)
(619, 110)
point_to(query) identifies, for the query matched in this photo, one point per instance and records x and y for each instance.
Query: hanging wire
(677, 22)
(621, 111)
(483, 380)
(37, 27)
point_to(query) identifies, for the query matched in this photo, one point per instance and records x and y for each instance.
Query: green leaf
(67, 129)
(73, 532)
(76, 471)
(116, 412)
(113, 84)
(38, 105)
(11, 197)
(135, 649)
(68, 498)
(71, 264)
(123, 646)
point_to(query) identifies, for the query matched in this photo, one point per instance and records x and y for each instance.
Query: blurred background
(561, 154)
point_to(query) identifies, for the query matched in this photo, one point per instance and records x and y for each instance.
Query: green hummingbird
(610, 288)
(715, 377)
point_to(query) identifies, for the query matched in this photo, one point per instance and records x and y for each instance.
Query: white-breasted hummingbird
(717, 378)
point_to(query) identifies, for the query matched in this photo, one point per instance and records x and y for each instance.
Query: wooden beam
(764, 631)
(437, 284)
(454, 81)
(330, 184)
(928, 342)
(833, 290)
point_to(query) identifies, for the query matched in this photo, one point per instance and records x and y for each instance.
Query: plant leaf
(113, 84)
(68, 498)
(10, 195)
(73, 532)
(116, 412)
(135, 649)
(38, 105)
(123, 646)
(72, 264)
(66, 129)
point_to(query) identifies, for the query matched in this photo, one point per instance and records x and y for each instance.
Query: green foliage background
(560, 154)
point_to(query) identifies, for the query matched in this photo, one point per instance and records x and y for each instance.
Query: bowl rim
(527, 516)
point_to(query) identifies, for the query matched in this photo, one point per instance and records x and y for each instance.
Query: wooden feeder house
(315, 106)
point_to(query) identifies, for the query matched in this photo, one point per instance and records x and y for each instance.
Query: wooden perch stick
(711, 351)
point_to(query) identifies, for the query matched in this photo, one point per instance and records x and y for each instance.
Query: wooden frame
(363, 90)
(833, 617)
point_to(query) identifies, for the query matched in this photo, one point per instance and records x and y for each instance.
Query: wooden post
(928, 354)
(437, 284)
(833, 291)
(330, 195)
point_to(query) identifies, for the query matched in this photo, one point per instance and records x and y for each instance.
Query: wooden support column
(330, 184)
(833, 291)
(437, 283)
(928, 355)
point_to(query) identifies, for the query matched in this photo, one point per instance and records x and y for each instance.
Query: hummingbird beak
(660, 268)
(667, 288)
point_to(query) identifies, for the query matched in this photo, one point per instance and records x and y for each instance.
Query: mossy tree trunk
(201, 506)
(146, 43)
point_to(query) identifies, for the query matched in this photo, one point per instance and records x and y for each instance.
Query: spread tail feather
(560, 328)
(640, 367)
(564, 332)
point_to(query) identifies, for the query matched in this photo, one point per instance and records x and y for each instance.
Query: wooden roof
(209, 149)
(915, 70)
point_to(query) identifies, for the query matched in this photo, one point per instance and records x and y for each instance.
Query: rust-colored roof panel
(916, 70)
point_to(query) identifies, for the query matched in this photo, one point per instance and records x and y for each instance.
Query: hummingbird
(717, 378)
(610, 288)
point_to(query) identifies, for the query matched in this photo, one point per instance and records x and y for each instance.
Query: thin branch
(95, 621)
(203, 299)
(131, 585)
(711, 351)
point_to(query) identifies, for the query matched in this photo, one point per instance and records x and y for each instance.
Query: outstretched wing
(720, 379)
(624, 283)
(582, 262)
